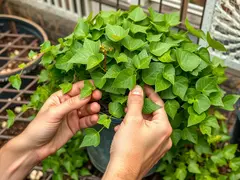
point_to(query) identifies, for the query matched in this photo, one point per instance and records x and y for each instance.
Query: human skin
(140, 141)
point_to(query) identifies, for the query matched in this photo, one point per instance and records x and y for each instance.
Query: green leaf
(32, 55)
(204, 54)
(169, 73)
(142, 60)
(181, 172)
(15, 81)
(87, 89)
(172, 19)
(74, 175)
(47, 59)
(166, 57)
(215, 44)
(167, 94)
(125, 79)
(159, 48)
(94, 60)
(92, 46)
(149, 75)
(104, 120)
(216, 98)
(219, 116)
(45, 47)
(202, 147)
(98, 79)
(149, 106)
(178, 119)
(155, 16)
(108, 88)
(171, 107)
(132, 44)
(188, 61)
(68, 166)
(180, 86)
(201, 103)
(207, 85)
(121, 58)
(191, 47)
(115, 109)
(58, 176)
(81, 57)
(62, 62)
(229, 151)
(203, 65)
(81, 30)
(134, 28)
(91, 138)
(11, 118)
(112, 72)
(161, 83)
(235, 163)
(229, 101)
(65, 87)
(137, 14)
(161, 27)
(176, 136)
(117, 98)
(195, 118)
(216, 61)
(115, 33)
(218, 158)
(193, 167)
(190, 134)
(153, 37)
(199, 33)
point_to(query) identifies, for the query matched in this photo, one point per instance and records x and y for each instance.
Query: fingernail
(137, 90)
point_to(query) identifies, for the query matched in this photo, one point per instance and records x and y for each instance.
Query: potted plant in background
(17, 37)
(121, 49)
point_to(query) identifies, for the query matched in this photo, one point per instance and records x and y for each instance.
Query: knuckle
(71, 101)
(136, 100)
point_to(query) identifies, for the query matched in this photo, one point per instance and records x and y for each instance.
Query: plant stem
(101, 129)
(105, 62)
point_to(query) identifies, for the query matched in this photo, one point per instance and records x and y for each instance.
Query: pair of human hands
(140, 140)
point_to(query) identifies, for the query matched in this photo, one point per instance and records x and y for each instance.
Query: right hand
(140, 140)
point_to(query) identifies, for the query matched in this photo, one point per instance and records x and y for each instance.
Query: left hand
(61, 116)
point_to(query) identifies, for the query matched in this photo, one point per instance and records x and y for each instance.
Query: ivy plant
(119, 49)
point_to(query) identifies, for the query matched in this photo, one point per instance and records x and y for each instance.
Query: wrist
(120, 169)
(16, 159)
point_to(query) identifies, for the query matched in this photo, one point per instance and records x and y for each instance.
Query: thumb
(135, 104)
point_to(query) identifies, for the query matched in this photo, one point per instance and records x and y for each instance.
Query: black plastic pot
(23, 26)
(100, 155)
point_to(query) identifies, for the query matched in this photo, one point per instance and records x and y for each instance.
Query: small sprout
(22, 65)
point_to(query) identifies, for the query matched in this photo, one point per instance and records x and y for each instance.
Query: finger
(69, 105)
(96, 95)
(88, 121)
(116, 128)
(135, 104)
(89, 109)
